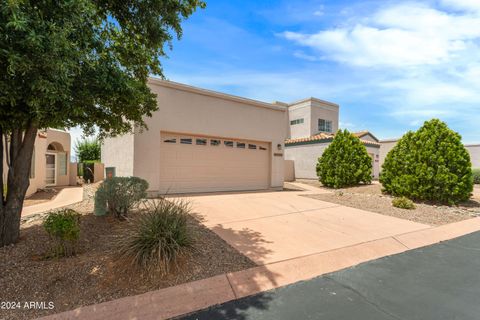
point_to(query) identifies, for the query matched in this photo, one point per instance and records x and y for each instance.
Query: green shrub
(157, 236)
(345, 162)
(118, 195)
(429, 164)
(403, 203)
(63, 228)
(476, 175)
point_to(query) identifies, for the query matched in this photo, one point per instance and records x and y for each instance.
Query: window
(201, 142)
(186, 141)
(228, 143)
(262, 148)
(32, 166)
(241, 145)
(252, 146)
(62, 163)
(214, 142)
(296, 121)
(172, 140)
(324, 125)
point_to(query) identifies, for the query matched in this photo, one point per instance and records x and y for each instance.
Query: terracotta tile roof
(360, 134)
(317, 137)
(324, 136)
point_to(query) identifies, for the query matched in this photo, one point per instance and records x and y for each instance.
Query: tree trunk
(19, 158)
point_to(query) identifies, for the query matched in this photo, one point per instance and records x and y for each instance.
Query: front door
(51, 174)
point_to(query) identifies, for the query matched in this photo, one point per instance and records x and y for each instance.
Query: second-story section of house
(311, 116)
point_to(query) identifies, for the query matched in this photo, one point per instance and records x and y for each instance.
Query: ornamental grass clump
(345, 162)
(157, 236)
(430, 164)
(63, 227)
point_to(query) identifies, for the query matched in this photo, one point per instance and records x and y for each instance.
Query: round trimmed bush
(345, 162)
(429, 164)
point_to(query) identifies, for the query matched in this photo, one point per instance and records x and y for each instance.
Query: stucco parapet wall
(205, 92)
(312, 99)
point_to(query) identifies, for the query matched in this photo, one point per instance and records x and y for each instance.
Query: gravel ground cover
(95, 275)
(371, 198)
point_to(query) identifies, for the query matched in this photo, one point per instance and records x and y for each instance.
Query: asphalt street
(441, 281)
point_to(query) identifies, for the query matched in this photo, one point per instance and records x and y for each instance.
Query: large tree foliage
(65, 63)
(88, 150)
(429, 164)
(345, 162)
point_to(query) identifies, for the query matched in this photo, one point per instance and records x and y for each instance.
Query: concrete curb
(189, 297)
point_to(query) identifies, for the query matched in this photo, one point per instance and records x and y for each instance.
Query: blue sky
(389, 64)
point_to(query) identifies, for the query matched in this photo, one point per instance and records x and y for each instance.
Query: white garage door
(200, 164)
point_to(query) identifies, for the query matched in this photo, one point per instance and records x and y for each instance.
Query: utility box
(109, 172)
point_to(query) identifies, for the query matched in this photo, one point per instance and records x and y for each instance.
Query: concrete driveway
(270, 227)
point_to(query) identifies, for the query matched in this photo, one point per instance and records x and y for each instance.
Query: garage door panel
(203, 168)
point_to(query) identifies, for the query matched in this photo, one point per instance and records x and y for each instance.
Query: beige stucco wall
(118, 152)
(188, 110)
(301, 111)
(289, 170)
(368, 137)
(42, 141)
(385, 147)
(322, 110)
(474, 150)
(305, 158)
(98, 171)
(311, 110)
(38, 180)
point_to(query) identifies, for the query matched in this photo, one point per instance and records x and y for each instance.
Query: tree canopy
(88, 150)
(66, 63)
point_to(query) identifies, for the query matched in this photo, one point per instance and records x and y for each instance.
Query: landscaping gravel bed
(95, 275)
(370, 198)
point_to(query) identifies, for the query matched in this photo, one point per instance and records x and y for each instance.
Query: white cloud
(397, 36)
(418, 61)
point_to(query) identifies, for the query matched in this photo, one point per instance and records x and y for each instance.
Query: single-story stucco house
(203, 141)
(50, 161)
(311, 127)
(387, 145)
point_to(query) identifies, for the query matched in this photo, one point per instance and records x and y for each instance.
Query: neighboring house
(203, 141)
(311, 127)
(50, 161)
(387, 145)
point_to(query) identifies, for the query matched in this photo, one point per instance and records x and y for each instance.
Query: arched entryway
(55, 158)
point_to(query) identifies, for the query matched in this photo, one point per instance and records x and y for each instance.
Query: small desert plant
(118, 195)
(157, 236)
(476, 175)
(345, 162)
(63, 228)
(403, 203)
